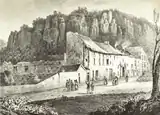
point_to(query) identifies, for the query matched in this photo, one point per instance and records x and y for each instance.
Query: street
(131, 87)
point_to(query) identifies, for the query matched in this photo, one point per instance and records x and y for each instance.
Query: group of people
(90, 86)
(115, 80)
(72, 85)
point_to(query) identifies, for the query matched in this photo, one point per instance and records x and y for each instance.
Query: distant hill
(48, 36)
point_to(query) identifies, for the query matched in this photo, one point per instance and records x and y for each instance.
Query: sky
(15, 13)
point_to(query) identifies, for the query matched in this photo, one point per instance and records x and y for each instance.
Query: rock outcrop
(94, 33)
(48, 36)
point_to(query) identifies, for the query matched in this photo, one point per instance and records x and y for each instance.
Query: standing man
(72, 86)
(67, 85)
(88, 86)
(105, 80)
(92, 86)
(127, 77)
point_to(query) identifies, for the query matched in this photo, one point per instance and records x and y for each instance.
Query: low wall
(48, 84)
(20, 89)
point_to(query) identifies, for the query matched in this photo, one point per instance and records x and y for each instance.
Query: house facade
(142, 61)
(101, 58)
(73, 72)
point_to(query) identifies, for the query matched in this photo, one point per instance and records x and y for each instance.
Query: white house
(101, 58)
(66, 72)
(73, 72)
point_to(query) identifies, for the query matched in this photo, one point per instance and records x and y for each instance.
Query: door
(123, 72)
(93, 74)
(96, 74)
(88, 77)
(79, 78)
(110, 74)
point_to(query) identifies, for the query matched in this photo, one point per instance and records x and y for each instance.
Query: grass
(82, 105)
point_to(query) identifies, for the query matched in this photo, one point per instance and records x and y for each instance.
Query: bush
(137, 105)
(145, 77)
(19, 106)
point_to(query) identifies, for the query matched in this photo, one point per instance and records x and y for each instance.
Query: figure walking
(126, 78)
(88, 86)
(76, 85)
(105, 80)
(72, 86)
(67, 85)
(92, 86)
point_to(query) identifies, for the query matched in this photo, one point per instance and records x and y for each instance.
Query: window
(88, 77)
(25, 68)
(107, 61)
(99, 59)
(131, 65)
(103, 59)
(15, 68)
(96, 74)
(93, 74)
(94, 61)
(110, 63)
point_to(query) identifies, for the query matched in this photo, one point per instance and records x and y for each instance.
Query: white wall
(73, 76)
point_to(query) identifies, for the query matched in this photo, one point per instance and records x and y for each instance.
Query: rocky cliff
(48, 36)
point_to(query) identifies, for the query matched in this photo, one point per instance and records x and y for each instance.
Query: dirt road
(131, 87)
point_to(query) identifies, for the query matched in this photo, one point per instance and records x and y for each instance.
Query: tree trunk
(155, 89)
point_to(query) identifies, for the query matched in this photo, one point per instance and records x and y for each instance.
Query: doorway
(123, 72)
(88, 76)
(79, 78)
(96, 74)
(110, 74)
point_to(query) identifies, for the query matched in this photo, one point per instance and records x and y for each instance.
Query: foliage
(137, 105)
(146, 77)
(17, 105)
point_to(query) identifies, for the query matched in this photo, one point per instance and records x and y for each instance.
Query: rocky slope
(48, 36)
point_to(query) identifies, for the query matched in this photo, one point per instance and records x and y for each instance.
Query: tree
(156, 59)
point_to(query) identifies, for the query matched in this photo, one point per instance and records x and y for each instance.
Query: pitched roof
(108, 48)
(70, 68)
(95, 46)
(135, 51)
(89, 43)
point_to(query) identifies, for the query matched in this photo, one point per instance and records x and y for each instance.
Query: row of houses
(101, 59)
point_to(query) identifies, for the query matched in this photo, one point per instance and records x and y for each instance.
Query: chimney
(106, 42)
(65, 58)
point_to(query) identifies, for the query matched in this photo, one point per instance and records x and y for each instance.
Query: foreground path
(131, 87)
